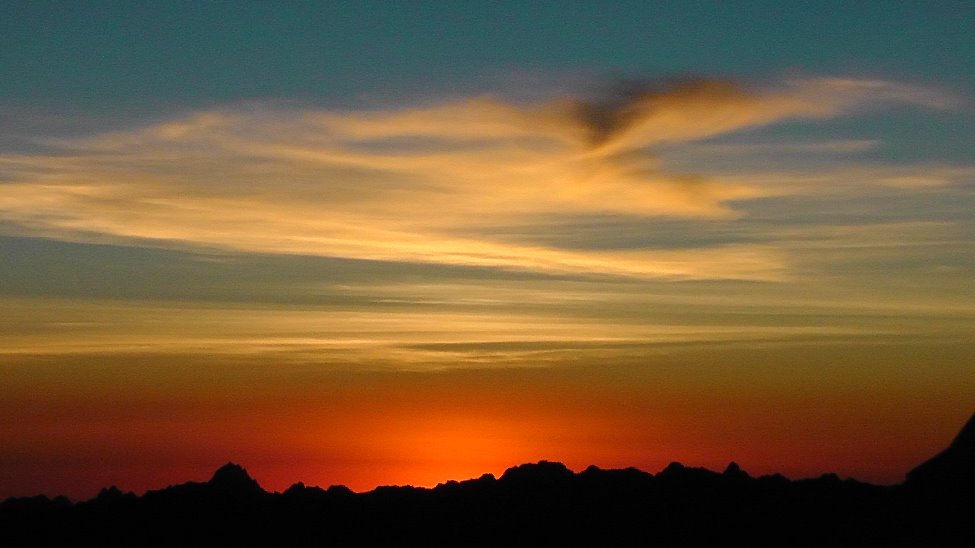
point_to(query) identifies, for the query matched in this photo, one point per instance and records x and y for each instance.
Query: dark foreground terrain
(538, 504)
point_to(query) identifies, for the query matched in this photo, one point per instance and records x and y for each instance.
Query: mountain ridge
(541, 503)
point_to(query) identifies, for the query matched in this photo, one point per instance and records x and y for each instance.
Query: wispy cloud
(428, 184)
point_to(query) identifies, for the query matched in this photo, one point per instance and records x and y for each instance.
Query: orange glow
(88, 425)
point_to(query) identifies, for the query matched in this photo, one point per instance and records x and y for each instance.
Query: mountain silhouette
(952, 469)
(536, 504)
(233, 479)
(542, 474)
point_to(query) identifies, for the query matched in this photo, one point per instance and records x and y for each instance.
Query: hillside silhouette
(540, 504)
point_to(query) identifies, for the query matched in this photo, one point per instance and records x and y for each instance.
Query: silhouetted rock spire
(965, 440)
(734, 472)
(953, 468)
(233, 479)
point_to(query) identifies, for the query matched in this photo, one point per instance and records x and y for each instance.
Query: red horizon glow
(365, 430)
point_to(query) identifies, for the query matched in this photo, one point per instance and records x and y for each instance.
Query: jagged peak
(734, 471)
(233, 476)
(340, 490)
(673, 467)
(954, 467)
(541, 469)
(966, 437)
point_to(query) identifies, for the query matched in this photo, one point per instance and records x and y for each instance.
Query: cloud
(778, 148)
(427, 184)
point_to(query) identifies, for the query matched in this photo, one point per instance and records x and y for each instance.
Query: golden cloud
(429, 184)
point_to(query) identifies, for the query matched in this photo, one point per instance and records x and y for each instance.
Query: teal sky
(96, 54)
(414, 189)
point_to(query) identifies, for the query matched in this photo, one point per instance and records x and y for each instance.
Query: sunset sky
(399, 243)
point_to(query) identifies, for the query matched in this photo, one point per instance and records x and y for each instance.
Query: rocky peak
(233, 478)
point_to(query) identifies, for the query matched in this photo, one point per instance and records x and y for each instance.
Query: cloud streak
(429, 184)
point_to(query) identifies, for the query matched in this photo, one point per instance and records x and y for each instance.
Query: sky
(379, 243)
